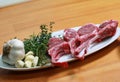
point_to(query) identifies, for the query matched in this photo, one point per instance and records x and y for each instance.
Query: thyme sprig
(39, 43)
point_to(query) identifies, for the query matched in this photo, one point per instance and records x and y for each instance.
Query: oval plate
(92, 49)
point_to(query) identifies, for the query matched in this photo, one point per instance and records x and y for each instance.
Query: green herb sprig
(39, 43)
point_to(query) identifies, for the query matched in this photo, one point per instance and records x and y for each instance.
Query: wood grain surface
(24, 19)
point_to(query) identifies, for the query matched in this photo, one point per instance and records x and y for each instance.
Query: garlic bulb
(13, 50)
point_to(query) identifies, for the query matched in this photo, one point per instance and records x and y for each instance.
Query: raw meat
(69, 34)
(87, 29)
(54, 41)
(76, 43)
(107, 29)
(86, 33)
(58, 48)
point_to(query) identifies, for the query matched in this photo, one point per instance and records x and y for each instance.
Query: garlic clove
(28, 64)
(35, 62)
(30, 58)
(19, 64)
(29, 53)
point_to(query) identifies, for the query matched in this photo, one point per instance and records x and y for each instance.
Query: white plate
(4, 3)
(68, 57)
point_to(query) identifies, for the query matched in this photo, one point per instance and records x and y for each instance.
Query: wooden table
(23, 19)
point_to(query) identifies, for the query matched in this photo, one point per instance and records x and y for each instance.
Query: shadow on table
(118, 51)
(44, 75)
